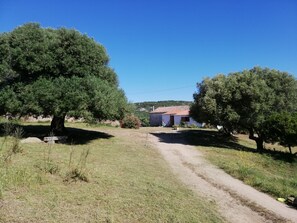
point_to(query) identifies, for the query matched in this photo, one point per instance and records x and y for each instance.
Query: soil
(236, 201)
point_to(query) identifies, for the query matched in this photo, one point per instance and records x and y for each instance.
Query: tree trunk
(57, 125)
(290, 149)
(259, 140)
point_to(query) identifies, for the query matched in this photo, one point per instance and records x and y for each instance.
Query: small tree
(282, 128)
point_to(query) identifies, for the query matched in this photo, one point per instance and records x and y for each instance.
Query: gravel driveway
(236, 201)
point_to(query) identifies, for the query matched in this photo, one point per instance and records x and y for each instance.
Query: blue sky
(160, 49)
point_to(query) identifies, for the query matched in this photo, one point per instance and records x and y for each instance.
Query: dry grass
(128, 182)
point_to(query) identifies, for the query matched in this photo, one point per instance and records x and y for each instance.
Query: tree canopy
(282, 128)
(46, 71)
(244, 100)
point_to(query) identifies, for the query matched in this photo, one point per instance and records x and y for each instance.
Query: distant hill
(149, 105)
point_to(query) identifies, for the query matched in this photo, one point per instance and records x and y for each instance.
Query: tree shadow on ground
(211, 138)
(75, 136)
(205, 138)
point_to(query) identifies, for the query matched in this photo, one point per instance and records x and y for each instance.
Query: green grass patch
(273, 172)
(127, 181)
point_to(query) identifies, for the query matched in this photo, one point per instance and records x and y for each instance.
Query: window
(185, 119)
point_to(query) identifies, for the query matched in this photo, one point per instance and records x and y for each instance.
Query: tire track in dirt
(236, 201)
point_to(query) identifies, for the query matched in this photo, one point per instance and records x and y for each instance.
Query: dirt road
(236, 201)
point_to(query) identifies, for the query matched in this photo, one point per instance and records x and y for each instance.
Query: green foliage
(57, 72)
(143, 117)
(243, 100)
(145, 122)
(131, 122)
(282, 128)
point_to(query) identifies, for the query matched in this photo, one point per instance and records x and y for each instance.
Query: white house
(169, 116)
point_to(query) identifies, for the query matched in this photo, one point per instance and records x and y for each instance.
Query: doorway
(171, 120)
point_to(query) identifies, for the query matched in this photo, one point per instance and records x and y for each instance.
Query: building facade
(169, 116)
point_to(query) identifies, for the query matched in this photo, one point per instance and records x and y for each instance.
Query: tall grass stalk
(78, 172)
(70, 156)
(17, 135)
(48, 166)
(83, 158)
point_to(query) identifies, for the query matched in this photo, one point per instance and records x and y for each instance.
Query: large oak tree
(244, 100)
(57, 72)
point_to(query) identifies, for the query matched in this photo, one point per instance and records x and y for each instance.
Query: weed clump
(17, 135)
(12, 145)
(48, 166)
(78, 172)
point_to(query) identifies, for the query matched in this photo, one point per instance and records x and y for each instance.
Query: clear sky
(160, 49)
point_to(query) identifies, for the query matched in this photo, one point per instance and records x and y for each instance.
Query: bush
(131, 122)
(144, 122)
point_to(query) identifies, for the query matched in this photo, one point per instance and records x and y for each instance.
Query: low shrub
(131, 122)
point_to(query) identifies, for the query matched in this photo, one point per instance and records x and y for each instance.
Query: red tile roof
(173, 110)
(186, 112)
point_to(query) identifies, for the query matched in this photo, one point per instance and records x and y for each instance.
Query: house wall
(158, 119)
(166, 120)
(177, 119)
(155, 119)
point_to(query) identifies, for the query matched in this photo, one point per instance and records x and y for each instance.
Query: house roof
(185, 112)
(172, 110)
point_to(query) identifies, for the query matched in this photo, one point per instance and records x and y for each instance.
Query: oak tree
(244, 100)
(57, 72)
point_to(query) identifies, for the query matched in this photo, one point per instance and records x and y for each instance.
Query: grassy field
(273, 172)
(109, 176)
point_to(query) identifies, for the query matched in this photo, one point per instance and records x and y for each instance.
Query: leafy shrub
(144, 122)
(131, 122)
